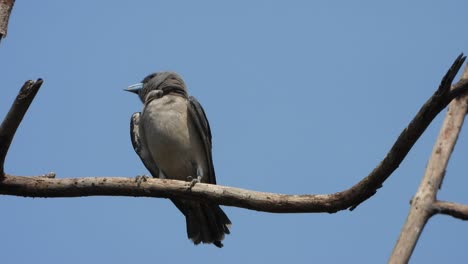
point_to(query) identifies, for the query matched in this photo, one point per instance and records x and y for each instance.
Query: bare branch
(422, 205)
(456, 210)
(39, 186)
(15, 116)
(5, 9)
(268, 202)
(408, 137)
(119, 186)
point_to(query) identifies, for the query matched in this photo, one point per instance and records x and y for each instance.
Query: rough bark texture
(5, 9)
(424, 203)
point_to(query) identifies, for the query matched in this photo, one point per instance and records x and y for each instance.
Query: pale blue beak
(134, 88)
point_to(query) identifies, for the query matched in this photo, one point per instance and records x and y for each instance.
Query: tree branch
(424, 204)
(120, 186)
(268, 202)
(5, 9)
(15, 116)
(408, 137)
(456, 210)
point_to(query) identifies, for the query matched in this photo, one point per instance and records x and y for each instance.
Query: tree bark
(5, 9)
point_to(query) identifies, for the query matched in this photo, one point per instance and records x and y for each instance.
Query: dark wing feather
(139, 145)
(198, 116)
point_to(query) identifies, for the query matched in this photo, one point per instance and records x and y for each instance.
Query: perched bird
(172, 136)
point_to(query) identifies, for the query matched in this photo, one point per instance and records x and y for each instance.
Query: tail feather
(206, 222)
(222, 218)
(203, 226)
(217, 221)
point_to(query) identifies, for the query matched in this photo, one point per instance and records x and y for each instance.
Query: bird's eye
(149, 77)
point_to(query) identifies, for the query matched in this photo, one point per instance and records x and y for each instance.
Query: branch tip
(14, 117)
(447, 80)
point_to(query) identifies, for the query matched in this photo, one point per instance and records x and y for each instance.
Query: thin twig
(422, 205)
(456, 210)
(15, 116)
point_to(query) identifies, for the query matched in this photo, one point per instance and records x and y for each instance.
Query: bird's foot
(193, 181)
(141, 178)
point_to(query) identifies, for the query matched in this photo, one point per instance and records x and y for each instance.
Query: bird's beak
(134, 88)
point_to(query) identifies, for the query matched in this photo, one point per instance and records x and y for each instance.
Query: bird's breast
(166, 121)
(166, 130)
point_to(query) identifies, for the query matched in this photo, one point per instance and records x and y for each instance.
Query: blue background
(302, 97)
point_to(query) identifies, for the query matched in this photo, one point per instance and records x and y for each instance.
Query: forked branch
(424, 204)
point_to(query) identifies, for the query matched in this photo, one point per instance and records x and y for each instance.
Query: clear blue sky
(302, 98)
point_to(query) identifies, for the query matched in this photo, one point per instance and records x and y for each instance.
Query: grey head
(158, 84)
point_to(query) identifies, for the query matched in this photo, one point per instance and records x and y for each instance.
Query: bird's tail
(206, 222)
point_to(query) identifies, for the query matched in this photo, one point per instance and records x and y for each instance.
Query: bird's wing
(197, 114)
(139, 145)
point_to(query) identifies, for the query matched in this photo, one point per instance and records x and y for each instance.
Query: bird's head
(158, 84)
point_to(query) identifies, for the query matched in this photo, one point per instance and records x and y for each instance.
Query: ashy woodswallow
(172, 136)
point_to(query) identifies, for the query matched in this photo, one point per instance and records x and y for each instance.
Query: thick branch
(5, 9)
(422, 205)
(15, 116)
(119, 186)
(268, 202)
(456, 210)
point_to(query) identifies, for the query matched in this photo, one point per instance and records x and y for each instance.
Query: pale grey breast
(169, 136)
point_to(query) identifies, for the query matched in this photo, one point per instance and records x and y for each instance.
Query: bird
(172, 137)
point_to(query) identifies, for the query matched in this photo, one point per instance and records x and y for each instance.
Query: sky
(303, 97)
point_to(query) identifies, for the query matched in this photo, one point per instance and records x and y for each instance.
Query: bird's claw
(193, 181)
(141, 178)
